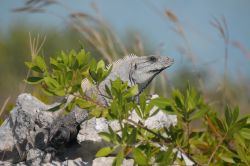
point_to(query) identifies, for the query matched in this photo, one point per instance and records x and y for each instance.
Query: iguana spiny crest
(133, 69)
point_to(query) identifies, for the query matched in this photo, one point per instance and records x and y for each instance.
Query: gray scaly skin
(133, 69)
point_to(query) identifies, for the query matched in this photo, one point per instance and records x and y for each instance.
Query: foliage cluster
(218, 139)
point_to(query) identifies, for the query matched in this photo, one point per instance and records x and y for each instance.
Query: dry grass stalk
(35, 45)
(35, 48)
(242, 48)
(171, 16)
(2, 110)
(222, 28)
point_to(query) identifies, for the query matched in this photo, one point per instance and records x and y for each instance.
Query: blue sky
(194, 15)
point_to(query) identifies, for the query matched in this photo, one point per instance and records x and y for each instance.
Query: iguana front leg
(63, 131)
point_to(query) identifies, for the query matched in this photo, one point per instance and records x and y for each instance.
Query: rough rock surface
(27, 134)
(25, 119)
(90, 129)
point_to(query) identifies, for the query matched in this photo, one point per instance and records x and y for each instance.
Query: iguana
(133, 69)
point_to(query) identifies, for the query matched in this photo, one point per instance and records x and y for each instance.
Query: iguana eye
(152, 59)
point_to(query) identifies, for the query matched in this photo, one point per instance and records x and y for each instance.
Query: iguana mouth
(157, 70)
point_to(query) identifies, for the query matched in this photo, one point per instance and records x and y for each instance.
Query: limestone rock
(26, 118)
(25, 134)
(90, 129)
(108, 161)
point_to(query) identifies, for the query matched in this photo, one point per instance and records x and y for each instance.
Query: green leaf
(236, 114)
(48, 92)
(191, 98)
(125, 133)
(226, 157)
(239, 139)
(239, 124)
(81, 57)
(105, 136)
(245, 133)
(179, 99)
(59, 92)
(33, 67)
(54, 64)
(29, 64)
(198, 114)
(221, 124)
(147, 111)
(142, 101)
(104, 151)
(111, 131)
(93, 75)
(228, 116)
(139, 157)
(100, 65)
(84, 103)
(248, 120)
(40, 63)
(161, 103)
(164, 157)
(65, 58)
(138, 112)
(96, 111)
(69, 75)
(132, 137)
(34, 80)
(118, 159)
(242, 154)
(108, 90)
(51, 82)
(132, 91)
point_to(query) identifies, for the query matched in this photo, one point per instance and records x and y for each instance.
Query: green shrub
(220, 140)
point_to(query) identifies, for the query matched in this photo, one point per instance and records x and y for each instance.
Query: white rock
(109, 160)
(90, 129)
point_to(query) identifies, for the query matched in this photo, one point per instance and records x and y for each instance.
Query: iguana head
(144, 69)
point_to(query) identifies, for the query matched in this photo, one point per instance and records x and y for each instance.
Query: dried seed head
(171, 16)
